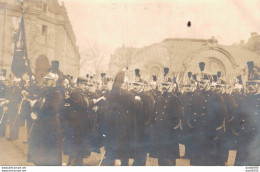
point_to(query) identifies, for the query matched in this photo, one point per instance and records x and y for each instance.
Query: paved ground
(13, 153)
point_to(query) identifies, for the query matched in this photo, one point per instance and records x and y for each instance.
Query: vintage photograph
(130, 83)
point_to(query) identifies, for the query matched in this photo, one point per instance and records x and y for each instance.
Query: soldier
(189, 103)
(168, 112)
(14, 104)
(143, 120)
(101, 112)
(3, 103)
(231, 106)
(25, 111)
(228, 138)
(247, 121)
(45, 144)
(77, 136)
(207, 122)
(121, 122)
(238, 91)
(93, 144)
(154, 87)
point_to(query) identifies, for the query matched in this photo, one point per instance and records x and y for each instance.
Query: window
(44, 30)
(44, 8)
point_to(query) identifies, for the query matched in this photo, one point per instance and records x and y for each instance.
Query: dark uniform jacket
(247, 123)
(168, 112)
(121, 124)
(207, 122)
(77, 121)
(45, 144)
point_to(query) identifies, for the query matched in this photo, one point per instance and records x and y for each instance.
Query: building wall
(183, 56)
(57, 43)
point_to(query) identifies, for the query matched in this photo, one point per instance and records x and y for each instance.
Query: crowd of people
(134, 119)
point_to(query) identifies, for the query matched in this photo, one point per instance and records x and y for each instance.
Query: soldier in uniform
(121, 123)
(168, 112)
(207, 122)
(78, 132)
(45, 144)
(154, 87)
(15, 97)
(238, 91)
(3, 103)
(101, 111)
(91, 93)
(247, 121)
(143, 120)
(228, 137)
(189, 103)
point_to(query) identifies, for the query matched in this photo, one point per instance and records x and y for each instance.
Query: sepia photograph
(129, 83)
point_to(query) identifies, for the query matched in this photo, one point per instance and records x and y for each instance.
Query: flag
(19, 65)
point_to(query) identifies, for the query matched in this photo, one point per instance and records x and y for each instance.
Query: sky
(138, 23)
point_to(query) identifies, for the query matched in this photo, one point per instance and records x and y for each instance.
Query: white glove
(34, 116)
(137, 98)
(95, 108)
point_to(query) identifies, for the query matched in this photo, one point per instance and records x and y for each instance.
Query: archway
(42, 66)
(216, 59)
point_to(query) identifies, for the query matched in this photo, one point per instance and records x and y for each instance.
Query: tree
(92, 59)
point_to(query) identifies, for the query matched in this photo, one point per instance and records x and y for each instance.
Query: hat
(55, 66)
(137, 72)
(4, 72)
(194, 76)
(139, 81)
(52, 76)
(215, 78)
(238, 86)
(190, 81)
(103, 75)
(154, 78)
(239, 79)
(253, 72)
(221, 82)
(167, 81)
(202, 66)
(189, 74)
(119, 79)
(166, 71)
(2, 78)
(204, 76)
(81, 79)
(16, 79)
(219, 74)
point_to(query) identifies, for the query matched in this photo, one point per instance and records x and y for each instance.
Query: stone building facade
(49, 35)
(253, 43)
(183, 56)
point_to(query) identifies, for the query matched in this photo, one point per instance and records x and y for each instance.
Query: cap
(51, 76)
(16, 79)
(202, 66)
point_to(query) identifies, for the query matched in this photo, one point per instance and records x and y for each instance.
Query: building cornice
(38, 12)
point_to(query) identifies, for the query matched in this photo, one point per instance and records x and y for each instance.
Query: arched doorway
(215, 59)
(42, 66)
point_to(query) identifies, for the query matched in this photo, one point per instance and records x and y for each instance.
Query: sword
(102, 159)
(29, 134)
(2, 118)
(18, 113)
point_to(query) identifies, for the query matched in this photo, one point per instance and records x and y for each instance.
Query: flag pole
(25, 45)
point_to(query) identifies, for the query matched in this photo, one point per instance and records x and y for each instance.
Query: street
(14, 153)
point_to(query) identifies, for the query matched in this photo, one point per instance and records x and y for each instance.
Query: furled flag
(19, 65)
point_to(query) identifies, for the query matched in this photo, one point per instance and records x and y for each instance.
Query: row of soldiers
(131, 120)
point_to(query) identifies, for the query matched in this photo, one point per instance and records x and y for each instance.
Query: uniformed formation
(133, 119)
